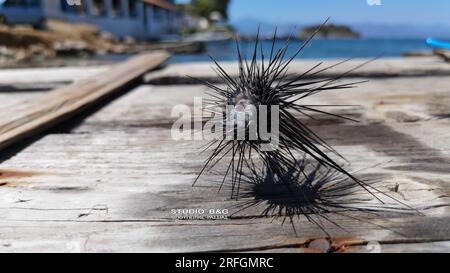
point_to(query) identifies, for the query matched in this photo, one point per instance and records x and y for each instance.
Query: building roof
(161, 3)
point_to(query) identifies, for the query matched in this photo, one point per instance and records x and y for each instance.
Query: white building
(141, 19)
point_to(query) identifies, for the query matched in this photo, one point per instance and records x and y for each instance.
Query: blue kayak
(438, 43)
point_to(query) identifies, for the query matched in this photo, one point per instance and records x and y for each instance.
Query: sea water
(317, 49)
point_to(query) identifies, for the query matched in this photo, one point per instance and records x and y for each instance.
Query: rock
(108, 37)
(329, 31)
(424, 53)
(71, 47)
(59, 39)
(129, 40)
(6, 52)
(444, 54)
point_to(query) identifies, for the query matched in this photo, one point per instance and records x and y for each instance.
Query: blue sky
(418, 12)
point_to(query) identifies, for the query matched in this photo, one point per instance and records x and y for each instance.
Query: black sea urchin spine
(266, 82)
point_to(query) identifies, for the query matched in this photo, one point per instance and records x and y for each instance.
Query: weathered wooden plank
(31, 116)
(382, 68)
(49, 74)
(116, 190)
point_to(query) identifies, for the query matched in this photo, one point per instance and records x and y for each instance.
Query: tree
(222, 7)
(205, 7)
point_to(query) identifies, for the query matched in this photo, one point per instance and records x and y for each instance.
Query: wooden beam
(29, 117)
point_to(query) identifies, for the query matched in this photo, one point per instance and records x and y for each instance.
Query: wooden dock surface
(107, 181)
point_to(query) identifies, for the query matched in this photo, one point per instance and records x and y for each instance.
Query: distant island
(330, 31)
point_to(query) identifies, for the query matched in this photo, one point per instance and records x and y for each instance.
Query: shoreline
(110, 59)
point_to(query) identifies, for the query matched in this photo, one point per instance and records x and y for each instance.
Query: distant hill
(329, 31)
(402, 30)
(249, 27)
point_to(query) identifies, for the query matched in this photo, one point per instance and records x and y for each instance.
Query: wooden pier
(107, 179)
